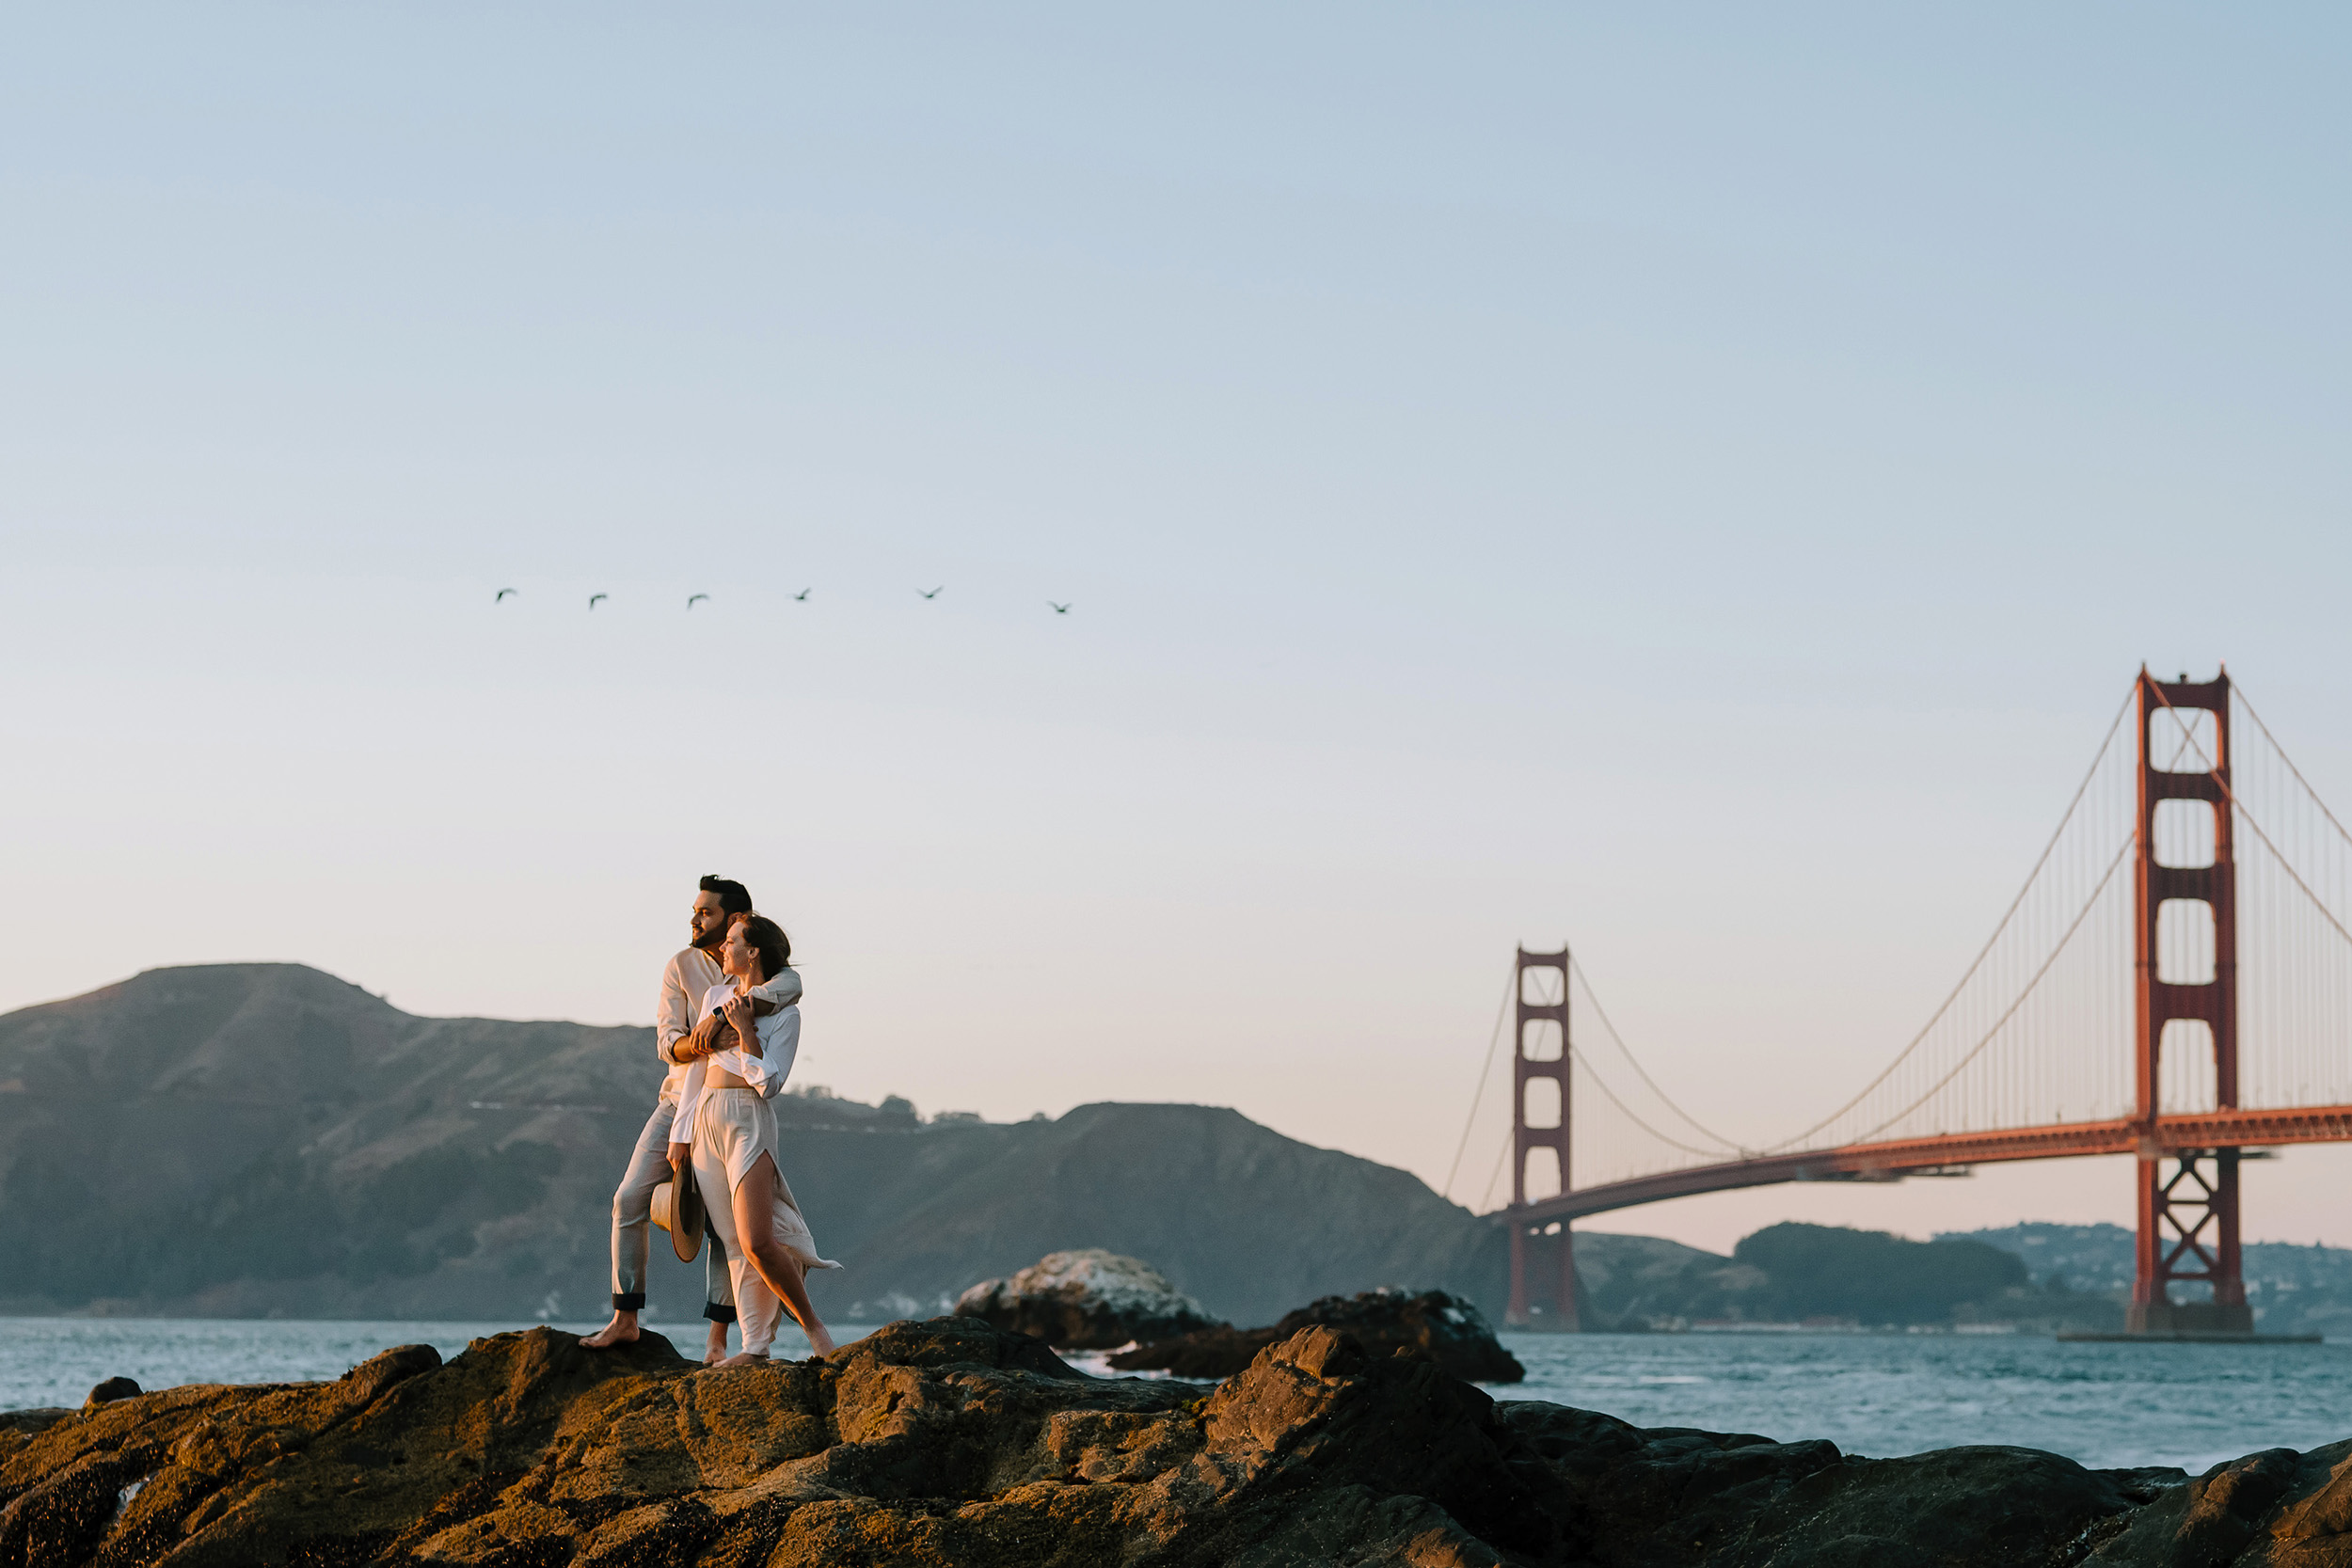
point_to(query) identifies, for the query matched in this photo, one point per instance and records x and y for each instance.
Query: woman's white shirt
(779, 1043)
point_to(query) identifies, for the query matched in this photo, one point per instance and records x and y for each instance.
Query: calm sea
(2189, 1405)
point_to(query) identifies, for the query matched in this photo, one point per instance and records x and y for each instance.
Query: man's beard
(713, 939)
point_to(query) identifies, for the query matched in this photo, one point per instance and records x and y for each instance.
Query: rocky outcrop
(2278, 1509)
(1088, 1299)
(1446, 1329)
(950, 1442)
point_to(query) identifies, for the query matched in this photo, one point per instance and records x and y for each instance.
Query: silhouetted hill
(263, 1138)
(1872, 1275)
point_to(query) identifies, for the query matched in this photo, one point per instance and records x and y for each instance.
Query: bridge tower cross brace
(1528, 1239)
(2188, 1221)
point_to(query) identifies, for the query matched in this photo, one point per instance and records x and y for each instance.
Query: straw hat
(681, 1215)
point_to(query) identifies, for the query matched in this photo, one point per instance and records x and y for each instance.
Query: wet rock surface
(951, 1442)
(1087, 1299)
(1446, 1329)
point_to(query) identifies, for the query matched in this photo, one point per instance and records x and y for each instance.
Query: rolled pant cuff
(719, 1314)
(628, 1300)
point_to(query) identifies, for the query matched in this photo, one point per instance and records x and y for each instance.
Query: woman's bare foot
(819, 1340)
(715, 1346)
(622, 1330)
(743, 1358)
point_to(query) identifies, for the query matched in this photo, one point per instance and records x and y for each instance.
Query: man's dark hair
(733, 899)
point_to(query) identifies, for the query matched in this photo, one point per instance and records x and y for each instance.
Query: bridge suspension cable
(2239, 692)
(1484, 1072)
(2294, 900)
(2121, 853)
(1727, 1144)
(2008, 915)
(2213, 770)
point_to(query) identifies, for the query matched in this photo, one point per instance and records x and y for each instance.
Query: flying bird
(594, 597)
(801, 598)
(502, 593)
(1061, 609)
(934, 592)
(691, 597)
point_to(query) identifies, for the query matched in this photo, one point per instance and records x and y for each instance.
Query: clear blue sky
(1692, 480)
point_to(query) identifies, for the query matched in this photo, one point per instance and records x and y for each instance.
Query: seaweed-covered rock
(1085, 1300)
(1446, 1329)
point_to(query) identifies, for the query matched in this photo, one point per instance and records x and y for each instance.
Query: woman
(727, 1097)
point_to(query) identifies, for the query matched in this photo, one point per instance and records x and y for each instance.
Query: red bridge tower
(2188, 1221)
(1533, 1060)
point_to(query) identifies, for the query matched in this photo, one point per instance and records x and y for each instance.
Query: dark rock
(1959, 1508)
(1206, 1354)
(1319, 1411)
(1446, 1329)
(2275, 1507)
(372, 1377)
(1668, 1497)
(112, 1390)
(954, 1443)
(1085, 1300)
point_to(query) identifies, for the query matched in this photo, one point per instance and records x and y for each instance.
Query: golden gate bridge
(2172, 982)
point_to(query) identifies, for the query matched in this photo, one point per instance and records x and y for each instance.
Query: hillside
(274, 1140)
(2292, 1289)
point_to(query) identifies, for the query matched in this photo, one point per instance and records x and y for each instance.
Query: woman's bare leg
(755, 1226)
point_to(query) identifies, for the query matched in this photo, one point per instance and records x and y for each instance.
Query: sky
(1693, 484)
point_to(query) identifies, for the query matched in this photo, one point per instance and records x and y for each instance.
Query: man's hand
(706, 1039)
(681, 1156)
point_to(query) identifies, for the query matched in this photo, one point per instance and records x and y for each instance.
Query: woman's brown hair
(768, 940)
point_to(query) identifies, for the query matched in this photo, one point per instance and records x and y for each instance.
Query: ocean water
(1889, 1394)
(2104, 1404)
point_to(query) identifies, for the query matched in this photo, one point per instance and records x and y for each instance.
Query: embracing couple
(727, 1030)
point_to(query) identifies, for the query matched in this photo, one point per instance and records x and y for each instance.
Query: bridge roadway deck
(1893, 1161)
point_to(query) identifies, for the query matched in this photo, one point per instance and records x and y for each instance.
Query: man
(684, 981)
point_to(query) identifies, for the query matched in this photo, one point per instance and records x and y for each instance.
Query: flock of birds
(801, 598)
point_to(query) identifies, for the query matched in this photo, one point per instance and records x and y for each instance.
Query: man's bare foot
(715, 1346)
(622, 1330)
(743, 1358)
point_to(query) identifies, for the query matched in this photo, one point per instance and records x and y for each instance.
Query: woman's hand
(738, 1012)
